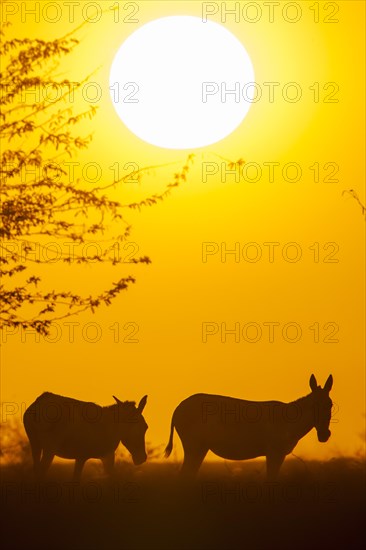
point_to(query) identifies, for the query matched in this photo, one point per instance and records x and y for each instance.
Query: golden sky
(179, 292)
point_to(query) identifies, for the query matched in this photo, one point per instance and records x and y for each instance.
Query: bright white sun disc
(180, 83)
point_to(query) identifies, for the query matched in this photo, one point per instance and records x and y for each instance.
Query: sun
(181, 83)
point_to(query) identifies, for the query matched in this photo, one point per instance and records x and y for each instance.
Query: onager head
(322, 407)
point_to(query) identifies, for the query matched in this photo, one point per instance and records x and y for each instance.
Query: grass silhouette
(314, 504)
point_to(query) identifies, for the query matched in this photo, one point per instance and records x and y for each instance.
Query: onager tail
(169, 447)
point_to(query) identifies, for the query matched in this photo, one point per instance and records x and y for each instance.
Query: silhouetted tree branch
(355, 196)
(37, 134)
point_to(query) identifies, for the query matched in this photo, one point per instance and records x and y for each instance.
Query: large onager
(68, 428)
(236, 429)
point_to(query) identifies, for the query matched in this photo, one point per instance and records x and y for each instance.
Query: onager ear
(313, 383)
(142, 404)
(329, 383)
(117, 400)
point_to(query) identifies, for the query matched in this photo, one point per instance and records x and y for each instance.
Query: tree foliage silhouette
(355, 196)
(37, 134)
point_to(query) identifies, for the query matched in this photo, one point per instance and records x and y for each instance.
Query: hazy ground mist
(315, 505)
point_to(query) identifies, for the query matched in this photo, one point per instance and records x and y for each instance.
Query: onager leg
(46, 461)
(108, 464)
(36, 455)
(79, 464)
(274, 462)
(193, 458)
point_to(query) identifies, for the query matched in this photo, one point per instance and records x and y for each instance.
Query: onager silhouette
(237, 430)
(68, 428)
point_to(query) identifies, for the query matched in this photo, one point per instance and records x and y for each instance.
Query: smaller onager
(79, 430)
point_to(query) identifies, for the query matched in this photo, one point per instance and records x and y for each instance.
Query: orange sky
(176, 295)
